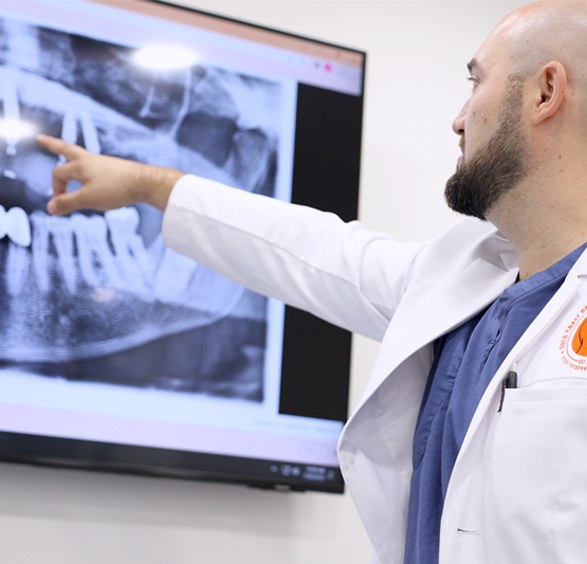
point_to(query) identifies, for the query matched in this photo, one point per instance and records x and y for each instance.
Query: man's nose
(458, 125)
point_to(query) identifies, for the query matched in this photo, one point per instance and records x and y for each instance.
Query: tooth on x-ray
(72, 117)
(40, 251)
(130, 254)
(170, 288)
(123, 224)
(61, 231)
(69, 129)
(17, 265)
(96, 261)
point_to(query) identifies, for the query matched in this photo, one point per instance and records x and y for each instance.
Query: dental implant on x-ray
(90, 290)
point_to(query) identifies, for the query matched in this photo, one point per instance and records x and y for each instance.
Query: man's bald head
(545, 31)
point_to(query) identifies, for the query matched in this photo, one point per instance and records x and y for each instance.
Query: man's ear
(551, 87)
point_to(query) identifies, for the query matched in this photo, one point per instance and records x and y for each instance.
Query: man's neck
(543, 233)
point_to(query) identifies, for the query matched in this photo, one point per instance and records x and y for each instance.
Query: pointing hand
(106, 182)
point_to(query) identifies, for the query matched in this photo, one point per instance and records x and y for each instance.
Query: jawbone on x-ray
(99, 296)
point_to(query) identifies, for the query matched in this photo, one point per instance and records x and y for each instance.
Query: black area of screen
(316, 355)
(169, 463)
(327, 150)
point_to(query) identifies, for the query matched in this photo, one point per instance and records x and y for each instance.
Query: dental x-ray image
(99, 297)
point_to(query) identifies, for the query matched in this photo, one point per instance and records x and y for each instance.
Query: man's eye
(474, 80)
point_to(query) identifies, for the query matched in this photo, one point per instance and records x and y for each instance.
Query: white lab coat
(518, 492)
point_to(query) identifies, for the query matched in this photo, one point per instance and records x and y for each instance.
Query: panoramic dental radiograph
(99, 297)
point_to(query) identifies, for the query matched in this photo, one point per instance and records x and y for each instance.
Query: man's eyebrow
(472, 65)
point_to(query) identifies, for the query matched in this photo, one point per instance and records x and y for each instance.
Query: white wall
(415, 86)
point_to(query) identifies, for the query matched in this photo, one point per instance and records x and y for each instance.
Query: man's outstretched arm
(307, 258)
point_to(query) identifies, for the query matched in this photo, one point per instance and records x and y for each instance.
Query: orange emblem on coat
(573, 341)
(579, 342)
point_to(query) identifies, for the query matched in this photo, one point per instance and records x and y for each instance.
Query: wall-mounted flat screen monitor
(117, 353)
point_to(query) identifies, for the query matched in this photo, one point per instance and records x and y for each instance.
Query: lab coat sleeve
(309, 259)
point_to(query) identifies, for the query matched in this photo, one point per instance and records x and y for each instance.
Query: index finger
(60, 147)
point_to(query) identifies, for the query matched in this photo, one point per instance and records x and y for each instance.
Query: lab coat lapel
(421, 320)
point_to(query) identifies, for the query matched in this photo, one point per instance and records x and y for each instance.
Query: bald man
(470, 444)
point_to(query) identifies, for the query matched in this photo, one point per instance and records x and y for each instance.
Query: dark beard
(495, 168)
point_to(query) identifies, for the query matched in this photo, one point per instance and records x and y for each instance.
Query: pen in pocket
(510, 381)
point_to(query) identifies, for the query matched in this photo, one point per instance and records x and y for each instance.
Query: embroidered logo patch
(573, 344)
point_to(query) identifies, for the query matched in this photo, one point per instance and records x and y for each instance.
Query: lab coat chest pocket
(536, 487)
